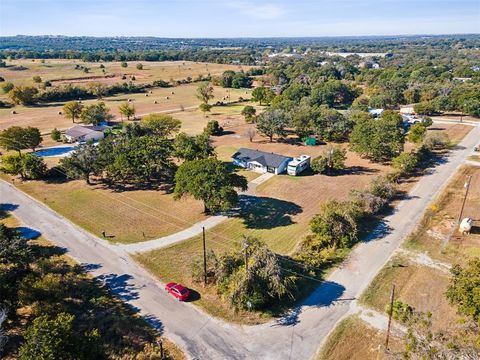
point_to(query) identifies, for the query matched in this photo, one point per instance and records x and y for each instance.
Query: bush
(336, 223)
(417, 132)
(382, 187)
(405, 163)
(332, 160)
(213, 128)
(427, 121)
(401, 311)
(56, 135)
(437, 141)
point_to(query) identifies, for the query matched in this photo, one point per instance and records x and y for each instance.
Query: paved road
(296, 336)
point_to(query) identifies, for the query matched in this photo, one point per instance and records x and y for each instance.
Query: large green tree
(205, 92)
(95, 113)
(18, 138)
(263, 95)
(193, 147)
(160, 124)
(72, 110)
(380, 139)
(273, 122)
(210, 181)
(82, 163)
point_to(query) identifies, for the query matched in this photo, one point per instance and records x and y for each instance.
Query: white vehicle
(299, 164)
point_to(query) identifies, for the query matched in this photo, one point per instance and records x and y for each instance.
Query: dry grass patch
(60, 71)
(438, 235)
(352, 339)
(456, 132)
(419, 286)
(46, 117)
(125, 217)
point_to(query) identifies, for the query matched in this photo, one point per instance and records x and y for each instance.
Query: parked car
(178, 290)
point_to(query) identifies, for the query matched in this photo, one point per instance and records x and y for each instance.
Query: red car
(178, 290)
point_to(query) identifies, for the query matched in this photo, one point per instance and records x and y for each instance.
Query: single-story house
(261, 161)
(81, 133)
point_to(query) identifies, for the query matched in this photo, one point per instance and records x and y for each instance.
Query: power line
(218, 233)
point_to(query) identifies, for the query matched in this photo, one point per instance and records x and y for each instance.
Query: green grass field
(125, 217)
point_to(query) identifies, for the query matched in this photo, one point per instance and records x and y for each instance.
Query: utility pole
(204, 257)
(467, 187)
(390, 313)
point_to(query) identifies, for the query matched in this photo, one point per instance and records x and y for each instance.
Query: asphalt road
(297, 336)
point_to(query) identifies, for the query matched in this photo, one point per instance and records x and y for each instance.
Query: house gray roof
(80, 130)
(262, 157)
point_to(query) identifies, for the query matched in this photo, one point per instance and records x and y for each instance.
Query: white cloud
(267, 11)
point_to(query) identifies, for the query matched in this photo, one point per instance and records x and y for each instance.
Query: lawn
(126, 217)
(352, 339)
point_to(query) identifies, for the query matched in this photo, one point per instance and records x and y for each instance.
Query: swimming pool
(55, 151)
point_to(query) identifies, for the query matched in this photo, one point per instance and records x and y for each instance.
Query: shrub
(332, 160)
(382, 187)
(405, 163)
(417, 133)
(437, 140)
(337, 223)
(400, 311)
(213, 128)
(56, 135)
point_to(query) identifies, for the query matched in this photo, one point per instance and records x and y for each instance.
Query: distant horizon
(238, 18)
(244, 37)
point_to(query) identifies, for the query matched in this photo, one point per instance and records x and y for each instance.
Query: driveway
(296, 336)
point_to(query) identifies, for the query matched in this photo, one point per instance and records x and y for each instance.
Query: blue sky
(238, 18)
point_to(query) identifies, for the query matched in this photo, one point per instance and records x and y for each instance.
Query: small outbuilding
(261, 161)
(82, 133)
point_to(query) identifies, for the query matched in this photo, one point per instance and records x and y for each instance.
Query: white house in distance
(80, 133)
(261, 161)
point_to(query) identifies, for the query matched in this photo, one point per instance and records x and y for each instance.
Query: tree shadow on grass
(266, 212)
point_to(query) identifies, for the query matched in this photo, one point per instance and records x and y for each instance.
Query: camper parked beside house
(299, 164)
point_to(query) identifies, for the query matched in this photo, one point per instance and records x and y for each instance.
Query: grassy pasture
(47, 117)
(61, 71)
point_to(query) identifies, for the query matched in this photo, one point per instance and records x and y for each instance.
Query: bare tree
(250, 133)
